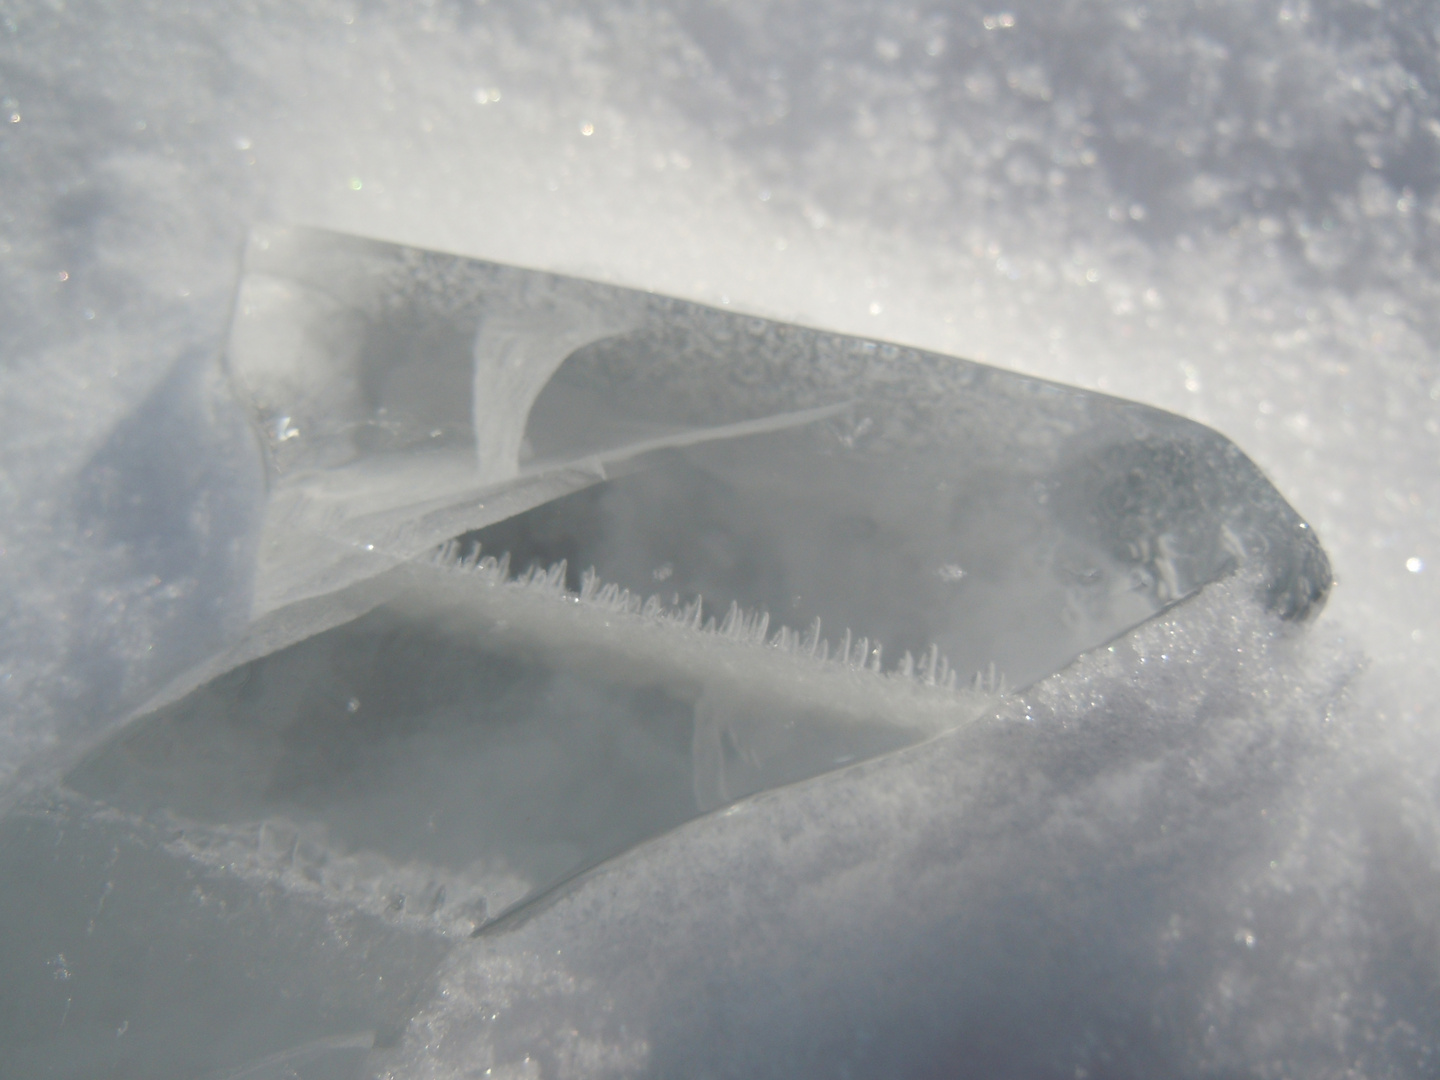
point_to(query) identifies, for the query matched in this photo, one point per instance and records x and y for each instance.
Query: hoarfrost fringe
(738, 625)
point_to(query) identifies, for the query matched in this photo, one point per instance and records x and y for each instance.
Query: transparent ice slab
(418, 743)
(404, 397)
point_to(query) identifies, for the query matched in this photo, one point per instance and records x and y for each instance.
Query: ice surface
(355, 359)
(1222, 210)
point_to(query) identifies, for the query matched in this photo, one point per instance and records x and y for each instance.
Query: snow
(1224, 210)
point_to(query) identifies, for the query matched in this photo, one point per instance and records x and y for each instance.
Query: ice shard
(404, 398)
(548, 571)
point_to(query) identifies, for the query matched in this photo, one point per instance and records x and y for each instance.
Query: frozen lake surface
(1211, 849)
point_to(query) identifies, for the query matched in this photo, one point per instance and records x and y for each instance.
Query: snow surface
(1226, 210)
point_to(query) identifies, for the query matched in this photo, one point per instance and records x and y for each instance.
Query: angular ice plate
(405, 397)
(376, 754)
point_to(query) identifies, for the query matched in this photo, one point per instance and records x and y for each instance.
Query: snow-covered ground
(1228, 210)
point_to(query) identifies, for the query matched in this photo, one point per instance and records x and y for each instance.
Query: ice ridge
(931, 670)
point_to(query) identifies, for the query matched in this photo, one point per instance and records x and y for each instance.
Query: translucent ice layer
(406, 397)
